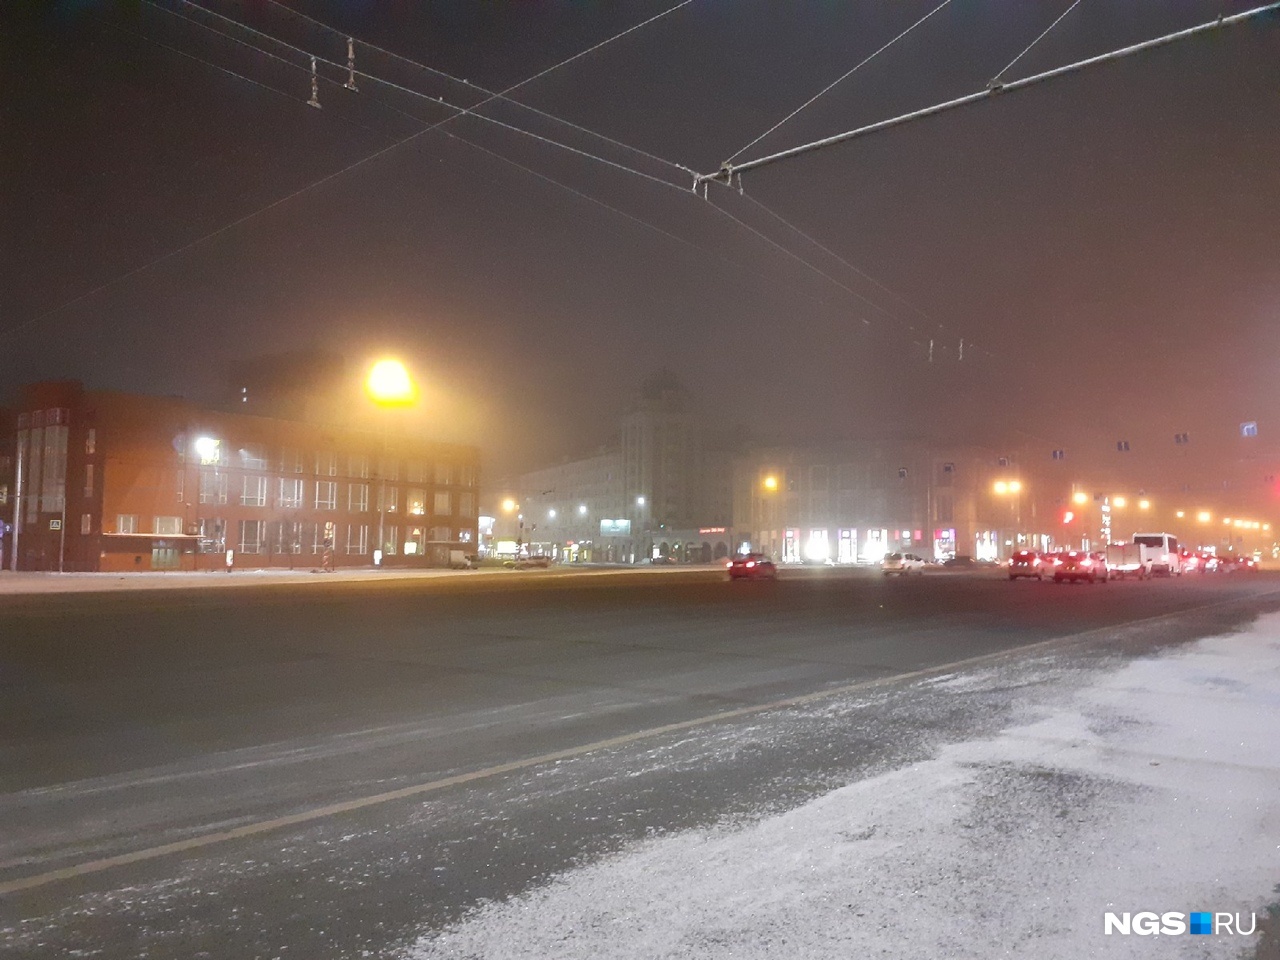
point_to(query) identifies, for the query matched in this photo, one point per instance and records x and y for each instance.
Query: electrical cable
(457, 110)
(831, 253)
(434, 100)
(997, 77)
(328, 177)
(467, 83)
(727, 170)
(841, 80)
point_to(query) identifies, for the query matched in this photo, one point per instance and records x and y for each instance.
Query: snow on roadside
(1156, 787)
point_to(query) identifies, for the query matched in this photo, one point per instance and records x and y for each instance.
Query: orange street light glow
(389, 384)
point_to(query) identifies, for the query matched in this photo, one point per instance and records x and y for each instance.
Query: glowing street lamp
(387, 385)
(771, 483)
(1119, 502)
(1204, 516)
(1144, 504)
(1079, 498)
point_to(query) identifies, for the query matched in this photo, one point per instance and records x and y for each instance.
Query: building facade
(107, 481)
(664, 491)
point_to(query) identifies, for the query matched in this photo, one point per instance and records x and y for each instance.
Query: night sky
(1107, 244)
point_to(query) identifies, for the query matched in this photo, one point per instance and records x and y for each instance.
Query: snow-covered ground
(1155, 787)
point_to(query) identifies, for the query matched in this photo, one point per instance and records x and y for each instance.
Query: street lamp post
(1012, 489)
(389, 386)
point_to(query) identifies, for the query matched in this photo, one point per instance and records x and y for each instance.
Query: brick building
(115, 481)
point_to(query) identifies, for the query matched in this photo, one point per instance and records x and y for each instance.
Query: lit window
(127, 523)
(86, 523)
(357, 539)
(389, 497)
(290, 493)
(253, 457)
(326, 495)
(416, 502)
(255, 492)
(358, 497)
(168, 526)
(251, 536)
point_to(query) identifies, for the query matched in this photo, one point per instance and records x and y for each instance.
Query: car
(752, 566)
(1027, 563)
(1078, 565)
(536, 562)
(902, 564)
(961, 562)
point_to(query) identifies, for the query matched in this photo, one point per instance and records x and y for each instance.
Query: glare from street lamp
(207, 449)
(389, 384)
(508, 505)
(1204, 516)
(551, 514)
(582, 509)
(1000, 487)
(639, 501)
(1118, 501)
(1080, 497)
(1144, 504)
(771, 482)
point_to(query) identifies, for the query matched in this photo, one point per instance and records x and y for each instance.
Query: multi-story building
(664, 491)
(116, 481)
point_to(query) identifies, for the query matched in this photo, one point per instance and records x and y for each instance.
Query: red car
(752, 566)
(1028, 563)
(1078, 565)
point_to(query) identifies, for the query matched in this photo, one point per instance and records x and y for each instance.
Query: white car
(902, 564)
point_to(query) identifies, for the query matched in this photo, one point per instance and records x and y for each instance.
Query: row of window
(297, 536)
(293, 494)
(326, 463)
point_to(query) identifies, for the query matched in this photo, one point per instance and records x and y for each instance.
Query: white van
(1158, 553)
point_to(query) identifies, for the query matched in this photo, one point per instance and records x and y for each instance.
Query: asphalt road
(323, 769)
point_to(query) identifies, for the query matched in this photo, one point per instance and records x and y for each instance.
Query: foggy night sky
(1108, 243)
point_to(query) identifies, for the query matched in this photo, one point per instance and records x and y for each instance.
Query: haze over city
(1107, 236)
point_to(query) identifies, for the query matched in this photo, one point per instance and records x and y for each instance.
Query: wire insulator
(315, 87)
(351, 64)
